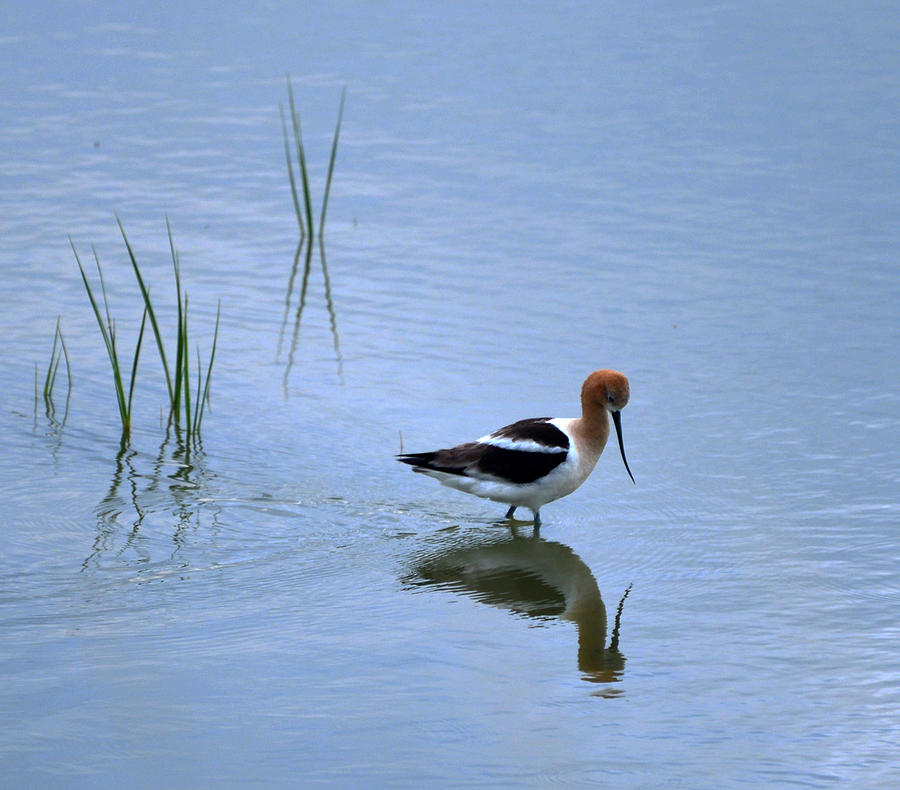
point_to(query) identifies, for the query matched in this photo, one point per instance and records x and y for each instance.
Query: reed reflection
(168, 487)
(536, 578)
(305, 250)
(55, 423)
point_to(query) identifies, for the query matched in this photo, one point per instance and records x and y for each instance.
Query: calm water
(701, 195)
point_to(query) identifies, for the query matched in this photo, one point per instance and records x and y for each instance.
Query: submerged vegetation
(186, 414)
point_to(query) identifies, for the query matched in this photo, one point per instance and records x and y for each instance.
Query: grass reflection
(304, 250)
(169, 486)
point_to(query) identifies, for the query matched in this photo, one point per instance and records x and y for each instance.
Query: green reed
(183, 413)
(58, 354)
(305, 214)
(108, 332)
(331, 159)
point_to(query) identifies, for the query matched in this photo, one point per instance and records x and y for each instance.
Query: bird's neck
(593, 428)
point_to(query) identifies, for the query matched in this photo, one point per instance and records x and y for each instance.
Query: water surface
(702, 196)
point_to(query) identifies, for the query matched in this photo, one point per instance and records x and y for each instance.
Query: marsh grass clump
(183, 412)
(185, 408)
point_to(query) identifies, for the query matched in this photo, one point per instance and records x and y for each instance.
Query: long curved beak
(617, 421)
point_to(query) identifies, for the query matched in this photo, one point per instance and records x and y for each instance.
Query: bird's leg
(511, 511)
(537, 520)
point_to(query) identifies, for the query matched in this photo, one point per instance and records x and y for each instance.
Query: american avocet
(534, 461)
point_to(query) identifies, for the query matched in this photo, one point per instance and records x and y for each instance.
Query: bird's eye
(611, 398)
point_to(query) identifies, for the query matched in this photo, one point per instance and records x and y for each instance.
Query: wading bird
(534, 461)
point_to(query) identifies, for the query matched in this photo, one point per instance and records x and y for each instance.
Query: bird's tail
(416, 459)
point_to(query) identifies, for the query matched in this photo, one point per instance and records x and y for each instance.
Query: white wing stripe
(522, 445)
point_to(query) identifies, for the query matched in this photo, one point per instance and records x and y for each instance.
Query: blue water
(703, 196)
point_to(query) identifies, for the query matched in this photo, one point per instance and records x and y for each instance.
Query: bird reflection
(535, 578)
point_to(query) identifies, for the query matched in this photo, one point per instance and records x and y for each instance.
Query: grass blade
(334, 145)
(134, 362)
(301, 156)
(53, 367)
(109, 323)
(180, 340)
(62, 343)
(48, 386)
(204, 399)
(197, 406)
(149, 305)
(290, 167)
(105, 331)
(185, 379)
